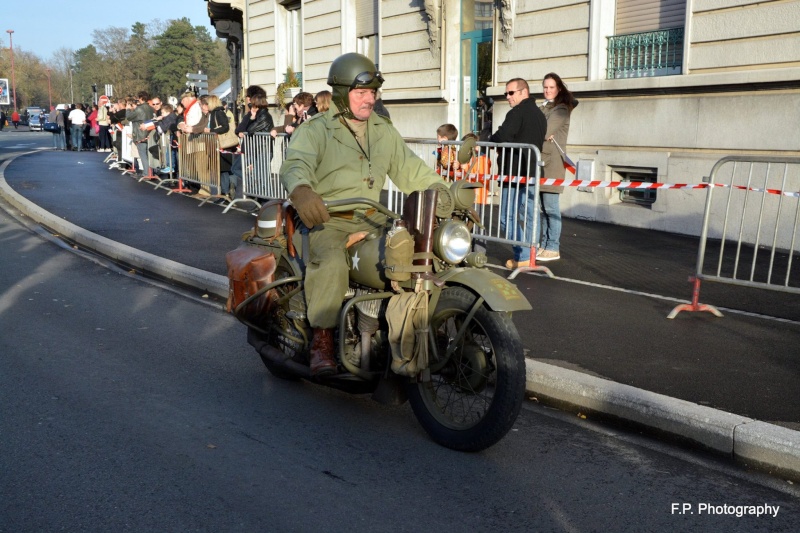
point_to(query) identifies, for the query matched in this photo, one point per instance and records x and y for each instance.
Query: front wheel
(474, 396)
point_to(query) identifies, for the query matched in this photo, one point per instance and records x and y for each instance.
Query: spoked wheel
(474, 396)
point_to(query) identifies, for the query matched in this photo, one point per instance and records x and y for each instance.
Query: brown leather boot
(322, 361)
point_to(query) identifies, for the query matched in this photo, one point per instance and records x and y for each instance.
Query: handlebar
(361, 201)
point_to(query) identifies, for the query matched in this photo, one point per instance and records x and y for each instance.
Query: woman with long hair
(218, 123)
(322, 101)
(256, 120)
(557, 107)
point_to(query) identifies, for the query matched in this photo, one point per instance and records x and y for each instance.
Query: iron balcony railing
(639, 55)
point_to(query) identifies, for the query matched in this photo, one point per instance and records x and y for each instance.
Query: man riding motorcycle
(345, 152)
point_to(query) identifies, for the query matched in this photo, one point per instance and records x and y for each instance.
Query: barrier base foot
(695, 308)
(532, 268)
(180, 189)
(238, 200)
(162, 184)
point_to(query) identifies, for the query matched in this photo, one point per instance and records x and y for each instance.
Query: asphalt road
(131, 407)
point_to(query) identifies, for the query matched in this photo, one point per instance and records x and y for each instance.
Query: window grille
(643, 197)
(645, 54)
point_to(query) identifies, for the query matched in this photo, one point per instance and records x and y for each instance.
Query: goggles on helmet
(366, 78)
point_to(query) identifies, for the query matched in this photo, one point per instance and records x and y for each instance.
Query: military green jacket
(324, 154)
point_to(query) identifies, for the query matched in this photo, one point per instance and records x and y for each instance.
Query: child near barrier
(446, 156)
(476, 166)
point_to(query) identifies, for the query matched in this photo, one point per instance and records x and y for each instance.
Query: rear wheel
(474, 396)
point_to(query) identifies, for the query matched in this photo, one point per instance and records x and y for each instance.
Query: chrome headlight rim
(452, 241)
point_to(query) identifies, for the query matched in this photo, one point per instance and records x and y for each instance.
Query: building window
(293, 36)
(647, 40)
(367, 29)
(368, 46)
(643, 197)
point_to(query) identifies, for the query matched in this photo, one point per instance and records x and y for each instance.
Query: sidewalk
(595, 344)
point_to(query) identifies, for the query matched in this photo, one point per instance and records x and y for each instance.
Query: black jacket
(218, 121)
(525, 124)
(262, 122)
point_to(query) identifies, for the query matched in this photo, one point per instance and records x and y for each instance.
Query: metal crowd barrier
(198, 160)
(128, 148)
(262, 158)
(750, 227)
(165, 163)
(507, 205)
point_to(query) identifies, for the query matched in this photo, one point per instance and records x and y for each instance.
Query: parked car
(35, 123)
(32, 116)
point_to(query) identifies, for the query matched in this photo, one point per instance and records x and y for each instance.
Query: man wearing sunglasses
(525, 123)
(345, 152)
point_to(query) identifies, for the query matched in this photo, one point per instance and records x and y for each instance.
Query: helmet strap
(341, 97)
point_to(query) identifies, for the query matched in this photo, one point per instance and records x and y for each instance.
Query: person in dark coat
(525, 124)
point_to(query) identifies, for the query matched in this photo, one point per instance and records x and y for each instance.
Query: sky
(38, 30)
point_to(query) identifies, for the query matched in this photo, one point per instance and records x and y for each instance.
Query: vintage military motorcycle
(422, 321)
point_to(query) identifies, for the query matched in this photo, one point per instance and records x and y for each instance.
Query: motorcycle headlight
(452, 241)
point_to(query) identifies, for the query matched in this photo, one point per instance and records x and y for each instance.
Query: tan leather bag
(249, 269)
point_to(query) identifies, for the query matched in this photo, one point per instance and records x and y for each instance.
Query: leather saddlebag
(249, 269)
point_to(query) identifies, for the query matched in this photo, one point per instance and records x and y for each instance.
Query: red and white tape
(618, 184)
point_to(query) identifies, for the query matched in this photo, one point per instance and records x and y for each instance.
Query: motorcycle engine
(360, 343)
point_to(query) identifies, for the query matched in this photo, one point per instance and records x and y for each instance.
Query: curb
(772, 448)
(769, 447)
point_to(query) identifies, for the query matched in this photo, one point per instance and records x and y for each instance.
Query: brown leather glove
(309, 206)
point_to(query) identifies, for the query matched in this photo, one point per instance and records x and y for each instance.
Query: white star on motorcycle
(356, 259)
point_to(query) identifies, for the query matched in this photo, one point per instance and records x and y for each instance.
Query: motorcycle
(423, 321)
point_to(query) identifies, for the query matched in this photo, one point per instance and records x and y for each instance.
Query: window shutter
(366, 17)
(634, 16)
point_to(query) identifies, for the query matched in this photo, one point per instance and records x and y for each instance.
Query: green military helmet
(354, 70)
(348, 72)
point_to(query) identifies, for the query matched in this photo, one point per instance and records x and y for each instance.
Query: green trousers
(328, 266)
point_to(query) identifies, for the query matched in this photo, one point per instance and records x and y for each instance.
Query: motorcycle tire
(473, 399)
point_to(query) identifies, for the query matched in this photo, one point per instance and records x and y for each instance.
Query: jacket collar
(376, 129)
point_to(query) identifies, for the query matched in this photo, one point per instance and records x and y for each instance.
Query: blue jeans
(76, 136)
(141, 147)
(59, 140)
(550, 221)
(236, 167)
(226, 181)
(516, 214)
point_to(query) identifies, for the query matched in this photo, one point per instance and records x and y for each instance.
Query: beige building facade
(666, 87)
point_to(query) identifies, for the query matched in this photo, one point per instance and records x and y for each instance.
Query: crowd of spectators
(144, 132)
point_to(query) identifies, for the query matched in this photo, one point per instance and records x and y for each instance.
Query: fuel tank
(367, 261)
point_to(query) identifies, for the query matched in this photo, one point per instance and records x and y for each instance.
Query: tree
(89, 70)
(112, 43)
(138, 57)
(180, 49)
(176, 56)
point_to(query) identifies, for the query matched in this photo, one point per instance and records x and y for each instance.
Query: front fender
(499, 293)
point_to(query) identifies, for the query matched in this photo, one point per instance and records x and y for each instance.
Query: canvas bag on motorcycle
(407, 315)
